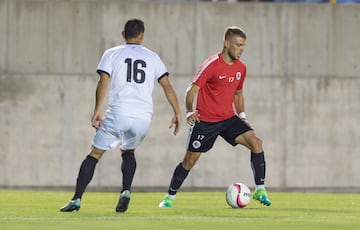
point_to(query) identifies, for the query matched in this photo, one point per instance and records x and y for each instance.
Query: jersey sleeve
(105, 64)
(202, 75)
(160, 68)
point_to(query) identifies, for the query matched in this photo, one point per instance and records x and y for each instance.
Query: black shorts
(202, 135)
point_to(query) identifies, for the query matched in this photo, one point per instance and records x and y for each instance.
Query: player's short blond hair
(234, 31)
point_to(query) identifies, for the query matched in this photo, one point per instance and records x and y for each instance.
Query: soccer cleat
(72, 205)
(166, 202)
(261, 196)
(124, 201)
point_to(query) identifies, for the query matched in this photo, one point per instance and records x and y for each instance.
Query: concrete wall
(302, 91)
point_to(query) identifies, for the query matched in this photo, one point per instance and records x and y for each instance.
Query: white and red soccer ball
(238, 195)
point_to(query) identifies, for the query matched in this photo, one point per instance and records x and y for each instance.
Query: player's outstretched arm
(172, 98)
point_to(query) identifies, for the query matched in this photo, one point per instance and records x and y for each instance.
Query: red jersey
(218, 82)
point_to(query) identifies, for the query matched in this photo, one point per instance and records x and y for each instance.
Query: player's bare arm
(239, 104)
(101, 91)
(172, 98)
(191, 115)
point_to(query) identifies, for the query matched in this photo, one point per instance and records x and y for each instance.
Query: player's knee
(96, 153)
(188, 163)
(256, 145)
(127, 151)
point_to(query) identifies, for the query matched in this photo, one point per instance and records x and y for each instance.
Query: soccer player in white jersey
(129, 71)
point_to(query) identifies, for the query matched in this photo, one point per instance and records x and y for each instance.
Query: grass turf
(22, 209)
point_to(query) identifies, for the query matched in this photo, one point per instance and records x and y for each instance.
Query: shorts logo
(196, 144)
(238, 75)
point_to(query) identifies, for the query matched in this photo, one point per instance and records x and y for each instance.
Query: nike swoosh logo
(222, 77)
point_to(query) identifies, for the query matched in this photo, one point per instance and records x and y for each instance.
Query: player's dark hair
(133, 28)
(234, 30)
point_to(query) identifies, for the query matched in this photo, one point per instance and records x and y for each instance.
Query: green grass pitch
(23, 209)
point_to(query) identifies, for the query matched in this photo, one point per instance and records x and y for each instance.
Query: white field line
(77, 218)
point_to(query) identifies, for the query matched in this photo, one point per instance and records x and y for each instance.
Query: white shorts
(118, 129)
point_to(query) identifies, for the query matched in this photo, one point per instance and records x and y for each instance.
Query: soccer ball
(238, 195)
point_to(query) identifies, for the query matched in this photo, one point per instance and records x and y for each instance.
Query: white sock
(261, 186)
(171, 196)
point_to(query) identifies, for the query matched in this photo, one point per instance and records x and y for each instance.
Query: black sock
(258, 167)
(177, 179)
(86, 173)
(128, 167)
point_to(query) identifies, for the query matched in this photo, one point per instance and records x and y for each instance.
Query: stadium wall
(302, 90)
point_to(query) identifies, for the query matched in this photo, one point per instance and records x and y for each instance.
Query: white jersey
(133, 70)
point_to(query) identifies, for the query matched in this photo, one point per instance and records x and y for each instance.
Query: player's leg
(86, 171)
(258, 165)
(128, 168)
(85, 175)
(132, 133)
(182, 170)
(103, 140)
(254, 144)
(201, 138)
(180, 173)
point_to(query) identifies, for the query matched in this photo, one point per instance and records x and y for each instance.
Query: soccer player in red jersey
(220, 111)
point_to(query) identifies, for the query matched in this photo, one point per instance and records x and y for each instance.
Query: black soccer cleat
(124, 201)
(72, 205)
